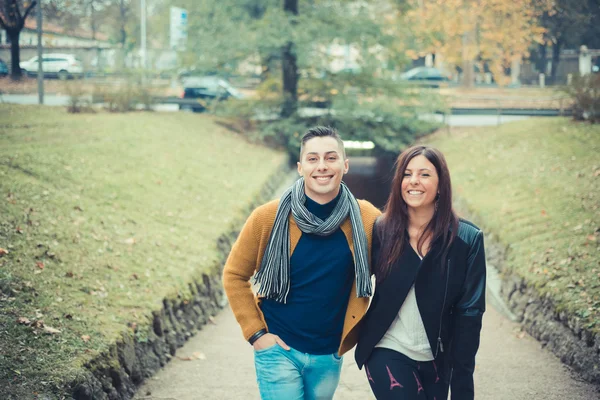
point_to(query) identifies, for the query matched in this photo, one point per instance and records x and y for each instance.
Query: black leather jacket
(451, 301)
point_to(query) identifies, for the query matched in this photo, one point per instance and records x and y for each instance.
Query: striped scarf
(274, 273)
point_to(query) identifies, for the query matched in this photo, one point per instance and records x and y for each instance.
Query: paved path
(510, 366)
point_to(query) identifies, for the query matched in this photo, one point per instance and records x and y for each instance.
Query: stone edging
(559, 332)
(116, 374)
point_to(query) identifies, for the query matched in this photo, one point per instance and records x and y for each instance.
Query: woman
(421, 332)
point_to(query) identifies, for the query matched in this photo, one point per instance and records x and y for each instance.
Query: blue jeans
(293, 375)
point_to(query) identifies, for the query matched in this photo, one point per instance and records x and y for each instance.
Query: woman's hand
(268, 340)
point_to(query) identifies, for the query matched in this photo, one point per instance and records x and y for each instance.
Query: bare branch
(33, 3)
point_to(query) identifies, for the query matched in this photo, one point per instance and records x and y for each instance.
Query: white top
(407, 334)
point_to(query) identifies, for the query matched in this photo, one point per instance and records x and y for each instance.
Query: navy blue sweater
(322, 274)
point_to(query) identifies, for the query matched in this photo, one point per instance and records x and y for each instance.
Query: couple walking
(312, 254)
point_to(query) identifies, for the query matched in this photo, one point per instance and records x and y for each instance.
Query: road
(454, 120)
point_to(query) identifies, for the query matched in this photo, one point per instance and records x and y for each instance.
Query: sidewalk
(510, 366)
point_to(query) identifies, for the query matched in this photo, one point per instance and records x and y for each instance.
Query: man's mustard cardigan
(246, 256)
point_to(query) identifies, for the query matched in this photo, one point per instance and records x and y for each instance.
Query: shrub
(125, 95)
(361, 107)
(585, 93)
(79, 100)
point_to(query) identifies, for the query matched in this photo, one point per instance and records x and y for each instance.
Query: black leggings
(394, 376)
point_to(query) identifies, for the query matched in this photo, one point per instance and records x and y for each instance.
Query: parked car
(3, 69)
(61, 66)
(199, 92)
(425, 75)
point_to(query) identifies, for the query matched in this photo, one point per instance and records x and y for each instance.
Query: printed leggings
(394, 376)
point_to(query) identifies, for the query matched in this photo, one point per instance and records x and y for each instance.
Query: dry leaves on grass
(3, 251)
(38, 324)
(85, 338)
(51, 330)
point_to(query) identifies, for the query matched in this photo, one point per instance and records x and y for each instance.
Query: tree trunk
(290, 81)
(542, 63)
(15, 58)
(289, 68)
(468, 78)
(123, 34)
(93, 20)
(555, 60)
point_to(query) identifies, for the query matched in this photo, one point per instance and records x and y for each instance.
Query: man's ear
(346, 165)
(299, 168)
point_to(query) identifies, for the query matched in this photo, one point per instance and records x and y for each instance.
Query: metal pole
(143, 25)
(40, 51)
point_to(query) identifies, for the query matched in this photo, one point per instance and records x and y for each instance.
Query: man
(310, 252)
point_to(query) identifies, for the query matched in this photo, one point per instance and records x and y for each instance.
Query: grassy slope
(119, 211)
(536, 184)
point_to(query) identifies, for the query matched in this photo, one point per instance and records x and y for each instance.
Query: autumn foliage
(465, 32)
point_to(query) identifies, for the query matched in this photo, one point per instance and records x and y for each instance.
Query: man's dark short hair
(322, 131)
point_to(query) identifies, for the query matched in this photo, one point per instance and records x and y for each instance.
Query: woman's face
(420, 184)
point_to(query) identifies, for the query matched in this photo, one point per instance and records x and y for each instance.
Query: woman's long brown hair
(393, 227)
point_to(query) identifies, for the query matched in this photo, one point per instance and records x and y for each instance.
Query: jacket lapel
(397, 285)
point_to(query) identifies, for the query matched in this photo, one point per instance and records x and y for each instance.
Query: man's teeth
(323, 178)
(414, 192)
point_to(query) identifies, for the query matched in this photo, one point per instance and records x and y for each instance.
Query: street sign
(179, 24)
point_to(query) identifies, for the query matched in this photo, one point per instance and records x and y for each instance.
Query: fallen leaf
(50, 330)
(521, 335)
(23, 321)
(211, 319)
(591, 238)
(39, 264)
(130, 241)
(544, 213)
(69, 274)
(85, 338)
(3, 251)
(195, 356)
(597, 172)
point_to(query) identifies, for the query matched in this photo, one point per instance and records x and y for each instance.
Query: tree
(467, 32)
(565, 24)
(289, 66)
(334, 54)
(12, 20)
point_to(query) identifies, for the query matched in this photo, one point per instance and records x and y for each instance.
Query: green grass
(121, 211)
(535, 184)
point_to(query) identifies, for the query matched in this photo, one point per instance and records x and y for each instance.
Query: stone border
(116, 374)
(561, 333)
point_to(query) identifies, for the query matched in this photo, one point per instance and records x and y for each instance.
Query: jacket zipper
(440, 345)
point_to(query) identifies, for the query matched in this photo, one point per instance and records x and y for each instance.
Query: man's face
(322, 165)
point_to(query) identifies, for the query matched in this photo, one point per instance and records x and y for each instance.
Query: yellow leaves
(503, 29)
(412, 54)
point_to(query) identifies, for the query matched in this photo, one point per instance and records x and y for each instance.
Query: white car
(62, 66)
